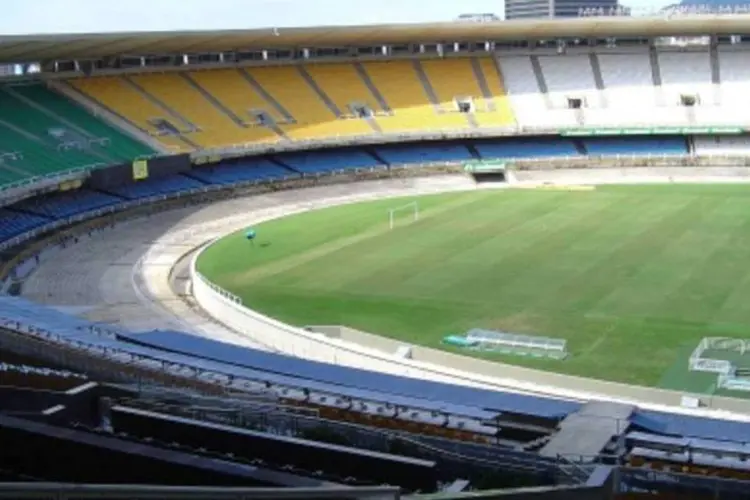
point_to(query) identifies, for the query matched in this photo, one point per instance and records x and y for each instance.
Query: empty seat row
(13, 224)
(68, 204)
(243, 171)
(155, 187)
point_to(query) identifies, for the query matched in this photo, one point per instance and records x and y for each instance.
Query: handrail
(64, 491)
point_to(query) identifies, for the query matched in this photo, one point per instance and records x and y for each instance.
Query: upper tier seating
(178, 93)
(42, 133)
(326, 161)
(220, 108)
(312, 117)
(461, 79)
(120, 97)
(406, 95)
(685, 73)
(526, 148)
(345, 88)
(628, 89)
(117, 147)
(735, 75)
(154, 187)
(636, 145)
(423, 153)
(569, 76)
(252, 169)
(63, 205)
(528, 102)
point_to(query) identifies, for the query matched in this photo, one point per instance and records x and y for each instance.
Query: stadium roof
(31, 48)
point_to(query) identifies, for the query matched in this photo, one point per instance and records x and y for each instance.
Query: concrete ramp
(584, 434)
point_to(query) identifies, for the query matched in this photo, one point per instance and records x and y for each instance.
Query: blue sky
(20, 17)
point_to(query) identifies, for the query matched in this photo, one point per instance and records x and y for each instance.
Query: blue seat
(526, 148)
(154, 187)
(244, 171)
(329, 161)
(13, 224)
(63, 205)
(423, 153)
(603, 146)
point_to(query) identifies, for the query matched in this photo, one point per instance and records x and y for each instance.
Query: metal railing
(63, 491)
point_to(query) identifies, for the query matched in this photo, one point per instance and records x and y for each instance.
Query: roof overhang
(31, 48)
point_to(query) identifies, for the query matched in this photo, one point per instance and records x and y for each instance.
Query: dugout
(486, 171)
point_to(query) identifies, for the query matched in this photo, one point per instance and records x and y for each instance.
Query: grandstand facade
(103, 135)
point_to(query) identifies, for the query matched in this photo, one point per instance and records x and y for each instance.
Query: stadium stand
(720, 145)
(628, 88)
(155, 187)
(312, 117)
(526, 148)
(423, 153)
(683, 74)
(118, 96)
(59, 206)
(329, 161)
(177, 93)
(14, 223)
(116, 145)
(231, 88)
(641, 145)
(256, 169)
(529, 99)
(407, 96)
(41, 133)
(345, 87)
(567, 77)
(497, 105)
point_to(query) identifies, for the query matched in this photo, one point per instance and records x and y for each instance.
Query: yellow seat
(116, 94)
(503, 114)
(216, 128)
(399, 84)
(452, 79)
(231, 88)
(343, 85)
(313, 118)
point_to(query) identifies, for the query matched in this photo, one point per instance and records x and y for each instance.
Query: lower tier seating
(13, 224)
(636, 145)
(243, 171)
(326, 161)
(722, 145)
(526, 148)
(68, 204)
(38, 211)
(154, 187)
(423, 153)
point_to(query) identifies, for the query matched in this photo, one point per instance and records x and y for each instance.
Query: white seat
(526, 98)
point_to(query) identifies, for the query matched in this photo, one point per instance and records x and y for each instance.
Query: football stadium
(503, 259)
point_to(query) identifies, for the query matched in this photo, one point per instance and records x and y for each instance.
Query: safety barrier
(298, 342)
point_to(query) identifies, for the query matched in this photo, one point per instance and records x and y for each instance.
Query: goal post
(410, 210)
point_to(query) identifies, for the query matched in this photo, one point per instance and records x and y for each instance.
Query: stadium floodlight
(411, 208)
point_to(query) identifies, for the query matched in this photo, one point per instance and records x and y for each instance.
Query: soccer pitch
(633, 277)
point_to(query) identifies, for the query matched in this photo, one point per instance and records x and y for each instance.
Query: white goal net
(408, 212)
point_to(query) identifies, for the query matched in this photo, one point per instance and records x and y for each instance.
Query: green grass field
(631, 276)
